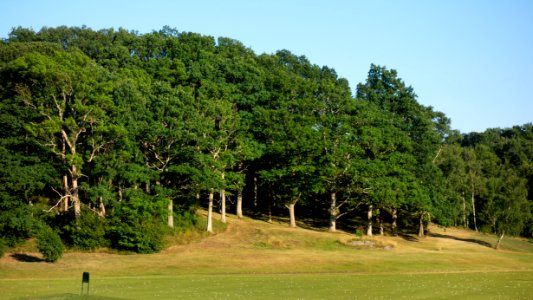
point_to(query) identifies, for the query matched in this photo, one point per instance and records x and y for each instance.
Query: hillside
(253, 258)
(254, 246)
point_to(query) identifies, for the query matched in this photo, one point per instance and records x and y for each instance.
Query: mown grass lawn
(256, 260)
(508, 285)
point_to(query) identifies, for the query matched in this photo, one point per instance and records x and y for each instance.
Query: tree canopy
(121, 132)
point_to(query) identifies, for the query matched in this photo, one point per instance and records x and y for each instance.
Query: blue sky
(471, 59)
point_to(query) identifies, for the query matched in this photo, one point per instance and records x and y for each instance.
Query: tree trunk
(31, 204)
(270, 211)
(369, 220)
(465, 219)
(333, 212)
(66, 197)
(210, 211)
(255, 193)
(292, 217)
(474, 210)
(170, 218)
(500, 238)
(101, 207)
(239, 204)
(394, 226)
(223, 203)
(421, 225)
(381, 231)
(75, 194)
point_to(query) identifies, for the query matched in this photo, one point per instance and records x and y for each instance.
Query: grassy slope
(254, 259)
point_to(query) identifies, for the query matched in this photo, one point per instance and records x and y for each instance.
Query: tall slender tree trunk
(292, 217)
(210, 211)
(270, 211)
(255, 193)
(31, 205)
(333, 212)
(101, 207)
(394, 226)
(500, 238)
(75, 192)
(465, 219)
(65, 202)
(381, 231)
(170, 217)
(239, 204)
(369, 220)
(223, 203)
(474, 209)
(421, 225)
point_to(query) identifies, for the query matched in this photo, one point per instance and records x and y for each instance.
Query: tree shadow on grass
(408, 237)
(265, 218)
(312, 224)
(445, 236)
(22, 257)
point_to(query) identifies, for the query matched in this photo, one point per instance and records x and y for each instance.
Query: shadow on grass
(445, 236)
(265, 218)
(408, 237)
(26, 258)
(312, 224)
(305, 223)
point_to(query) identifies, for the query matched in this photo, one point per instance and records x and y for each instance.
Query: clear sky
(471, 59)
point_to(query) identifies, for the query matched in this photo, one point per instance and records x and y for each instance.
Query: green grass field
(508, 285)
(256, 260)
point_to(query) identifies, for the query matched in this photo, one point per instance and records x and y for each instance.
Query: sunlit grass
(256, 260)
(510, 285)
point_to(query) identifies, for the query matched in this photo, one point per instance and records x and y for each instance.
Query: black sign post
(85, 279)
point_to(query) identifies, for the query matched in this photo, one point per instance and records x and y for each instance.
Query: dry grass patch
(270, 260)
(254, 246)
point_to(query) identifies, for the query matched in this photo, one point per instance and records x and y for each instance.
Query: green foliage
(49, 244)
(185, 219)
(121, 123)
(506, 207)
(2, 247)
(143, 237)
(17, 225)
(136, 224)
(488, 173)
(88, 232)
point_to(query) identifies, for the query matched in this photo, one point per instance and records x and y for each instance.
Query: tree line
(114, 138)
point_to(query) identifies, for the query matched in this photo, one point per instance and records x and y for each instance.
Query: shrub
(185, 219)
(16, 225)
(49, 244)
(359, 232)
(137, 223)
(87, 233)
(145, 236)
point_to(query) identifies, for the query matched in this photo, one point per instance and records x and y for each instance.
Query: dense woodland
(113, 138)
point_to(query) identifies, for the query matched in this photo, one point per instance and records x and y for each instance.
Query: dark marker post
(85, 279)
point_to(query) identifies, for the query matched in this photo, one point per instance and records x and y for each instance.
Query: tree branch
(66, 139)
